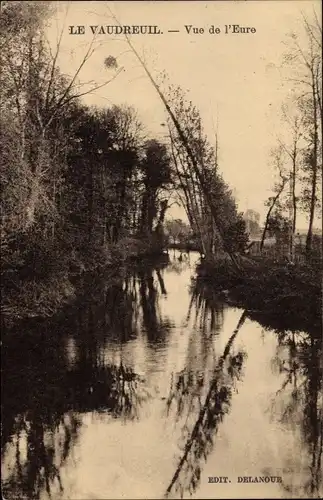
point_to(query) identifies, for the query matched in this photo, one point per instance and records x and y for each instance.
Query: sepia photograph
(161, 249)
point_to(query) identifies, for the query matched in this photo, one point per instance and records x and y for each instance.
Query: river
(150, 385)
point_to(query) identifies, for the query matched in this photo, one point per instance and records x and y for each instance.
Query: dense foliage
(81, 187)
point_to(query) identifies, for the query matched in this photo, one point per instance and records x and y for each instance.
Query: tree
(104, 170)
(39, 95)
(196, 159)
(178, 231)
(72, 176)
(306, 64)
(156, 170)
(252, 218)
(278, 158)
(278, 226)
(293, 147)
(208, 200)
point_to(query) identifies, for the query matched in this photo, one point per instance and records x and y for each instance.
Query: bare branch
(51, 79)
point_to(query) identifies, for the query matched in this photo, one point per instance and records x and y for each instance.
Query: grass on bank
(291, 293)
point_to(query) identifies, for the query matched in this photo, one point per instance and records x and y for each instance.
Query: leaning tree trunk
(269, 214)
(190, 153)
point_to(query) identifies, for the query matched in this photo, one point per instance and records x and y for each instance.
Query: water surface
(151, 384)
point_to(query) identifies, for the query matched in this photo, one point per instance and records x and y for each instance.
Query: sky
(235, 80)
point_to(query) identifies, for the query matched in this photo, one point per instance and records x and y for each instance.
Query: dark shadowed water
(150, 385)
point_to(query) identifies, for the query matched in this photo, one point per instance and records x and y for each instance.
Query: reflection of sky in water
(135, 454)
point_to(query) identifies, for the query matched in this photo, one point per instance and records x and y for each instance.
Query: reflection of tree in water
(113, 389)
(49, 428)
(283, 323)
(156, 327)
(47, 446)
(176, 267)
(205, 313)
(39, 428)
(45, 394)
(211, 402)
(208, 306)
(44, 401)
(178, 262)
(300, 404)
(122, 309)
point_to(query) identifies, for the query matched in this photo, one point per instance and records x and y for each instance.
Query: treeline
(297, 155)
(80, 186)
(210, 206)
(84, 187)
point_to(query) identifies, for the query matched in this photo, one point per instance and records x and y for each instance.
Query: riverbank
(28, 294)
(292, 295)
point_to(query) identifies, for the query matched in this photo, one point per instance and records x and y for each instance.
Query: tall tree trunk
(293, 207)
(121, 206)
(294, 191)
(90, 205)
(314, 164)
(144, 210)
(54, 201)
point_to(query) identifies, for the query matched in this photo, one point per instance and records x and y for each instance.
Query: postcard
(161, 249)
